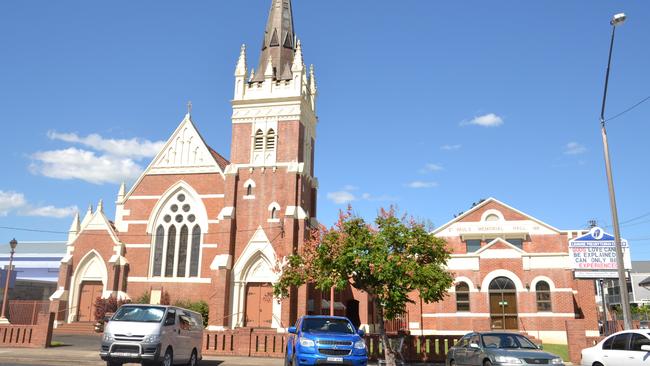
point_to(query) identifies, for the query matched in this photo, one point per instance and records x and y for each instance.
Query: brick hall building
(512, 271)
(200, 226)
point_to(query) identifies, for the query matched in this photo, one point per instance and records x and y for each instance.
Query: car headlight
(107, 337)
(153, 338)
(557, 361)
(360, 344)
(307, 342)
(507, 359)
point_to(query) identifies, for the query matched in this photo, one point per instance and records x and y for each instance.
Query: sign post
(593, 256)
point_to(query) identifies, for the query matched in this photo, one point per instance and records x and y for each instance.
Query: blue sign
(596, 251)
(12, 279)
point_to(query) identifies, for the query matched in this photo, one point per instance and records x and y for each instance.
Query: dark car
(498, 349)
(325, 340)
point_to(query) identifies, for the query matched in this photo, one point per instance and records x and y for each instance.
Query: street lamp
(3, 318)
(617, 20)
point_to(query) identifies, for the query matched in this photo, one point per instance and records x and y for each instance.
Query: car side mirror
(540, 346)
(293, 330)
(361, 332)
(474, 345)
(645, 347)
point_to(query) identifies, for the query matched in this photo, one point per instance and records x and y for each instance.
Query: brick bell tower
(271, 175)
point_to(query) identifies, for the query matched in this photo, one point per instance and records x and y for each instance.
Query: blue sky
(429, 105)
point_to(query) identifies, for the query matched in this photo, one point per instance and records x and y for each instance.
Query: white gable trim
(482, 204)
(94, 259)
(485, 285)
(210, 165)
(494, 242)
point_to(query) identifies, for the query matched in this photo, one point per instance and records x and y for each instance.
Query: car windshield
(146, 314)
(507, 340)
(314, 325)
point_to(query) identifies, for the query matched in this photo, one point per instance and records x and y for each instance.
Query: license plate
(125, 354)
(335, 359)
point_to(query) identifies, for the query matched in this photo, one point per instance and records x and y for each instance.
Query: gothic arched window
(274, 213)
(177, 243)
(259, 140)
(270, 140)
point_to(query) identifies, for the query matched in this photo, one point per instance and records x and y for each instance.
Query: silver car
(152, 335)
(498, 349)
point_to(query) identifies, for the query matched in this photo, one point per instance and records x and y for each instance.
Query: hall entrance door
(88, 294)
(503, 304)
(259, 305)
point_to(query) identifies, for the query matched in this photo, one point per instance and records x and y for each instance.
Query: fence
(430, 348)
(269, 343)
(25, 312)
(28, 336)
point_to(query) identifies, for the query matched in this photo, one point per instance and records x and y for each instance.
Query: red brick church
(200, 226)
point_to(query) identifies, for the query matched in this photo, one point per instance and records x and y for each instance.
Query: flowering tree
(388, 260)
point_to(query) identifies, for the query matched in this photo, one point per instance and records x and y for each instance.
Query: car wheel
(487, 363)
(287, 362)
(452, 363)
(113, 363)
(168, 359)
(598, 364)
(193, 359)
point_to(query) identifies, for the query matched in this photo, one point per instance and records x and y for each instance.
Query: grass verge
(561, 350)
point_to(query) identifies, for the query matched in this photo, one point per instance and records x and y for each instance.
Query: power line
(629, 109)
(636, 218)
(121, 235)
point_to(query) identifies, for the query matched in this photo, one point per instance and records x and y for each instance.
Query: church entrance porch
(259, 305)
(89, 292)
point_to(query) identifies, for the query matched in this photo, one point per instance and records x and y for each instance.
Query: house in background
(36, 265)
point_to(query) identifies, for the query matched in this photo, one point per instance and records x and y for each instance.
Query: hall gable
(492, 218)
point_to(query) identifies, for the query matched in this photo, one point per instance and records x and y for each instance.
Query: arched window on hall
(270, 140)
(177, 242)
(259, 140)
(462, 297)
(543, 294)
(249, 190)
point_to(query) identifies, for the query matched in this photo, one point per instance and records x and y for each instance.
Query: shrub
(200, 307)
(145, 298)
(108, 305)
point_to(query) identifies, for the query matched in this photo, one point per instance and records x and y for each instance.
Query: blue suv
(325, 340)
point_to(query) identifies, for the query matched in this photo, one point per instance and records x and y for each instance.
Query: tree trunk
(389, 354)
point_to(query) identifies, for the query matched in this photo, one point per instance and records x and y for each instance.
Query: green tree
(389, 260)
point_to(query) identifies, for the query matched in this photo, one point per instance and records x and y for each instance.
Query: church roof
(223, 162)
(279, 42)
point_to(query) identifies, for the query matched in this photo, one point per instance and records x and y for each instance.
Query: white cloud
(574, 148)
(451, 147)
(422, 184)
(73, 163)
(346, 196)
(341, 197)
(431, 168)
(133, 148)
(486, 120)
(10, 201)
(50, 211)
(16, 202)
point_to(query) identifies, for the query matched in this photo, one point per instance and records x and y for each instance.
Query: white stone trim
(137, 246)
(489, 212)
(209, 246)
(459, 314)
(157, 197)
(546, 314)
(485, 285)
(135, 222)
(472, 288)
(169, 280)
(273, 220)
(92, 259)
(537, 279)
(221, 261)
(254, 265)
(251, 197)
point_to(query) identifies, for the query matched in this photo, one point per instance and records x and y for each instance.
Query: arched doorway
(503, 304)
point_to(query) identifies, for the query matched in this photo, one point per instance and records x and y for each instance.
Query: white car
(627, 348)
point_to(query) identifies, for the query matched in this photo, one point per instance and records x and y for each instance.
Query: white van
(152, 335)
